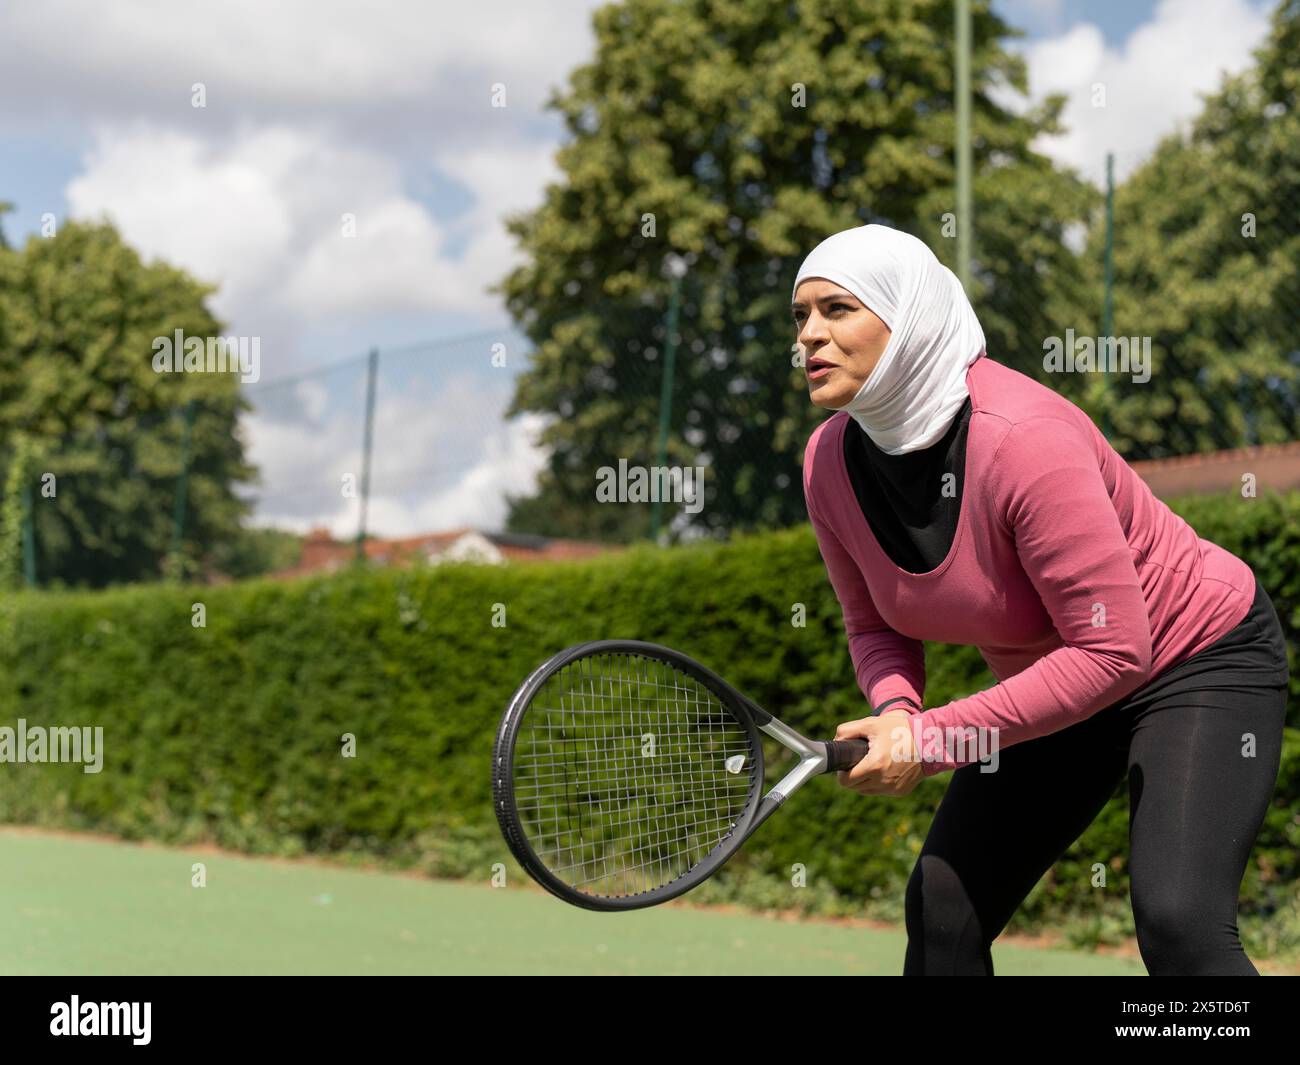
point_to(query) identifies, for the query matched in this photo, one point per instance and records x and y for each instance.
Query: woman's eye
(799, 316)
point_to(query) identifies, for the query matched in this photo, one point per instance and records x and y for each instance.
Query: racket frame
(758, 808)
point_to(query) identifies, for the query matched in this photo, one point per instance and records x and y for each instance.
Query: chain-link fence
(419, 440)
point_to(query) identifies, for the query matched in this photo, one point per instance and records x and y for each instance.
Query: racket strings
(628, 773)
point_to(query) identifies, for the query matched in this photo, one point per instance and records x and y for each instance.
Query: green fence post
(372, 371)
(182, 491)
(676, 268)
(29, 537)
(1108, 305)
(965, 223)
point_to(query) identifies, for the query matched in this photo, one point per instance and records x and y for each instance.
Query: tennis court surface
(100, 907)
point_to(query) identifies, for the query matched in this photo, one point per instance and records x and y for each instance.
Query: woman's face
(842, 340)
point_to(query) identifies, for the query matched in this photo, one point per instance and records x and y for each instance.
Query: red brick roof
(322, 553)
(1276, 468)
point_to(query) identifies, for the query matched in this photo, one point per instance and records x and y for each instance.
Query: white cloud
(443, 456)
(1153, 84)
(263, 213)
(510, 462)
(313, 109)
(302, 461)
(316, 109)
(263, 216)
(494, 174)
(144, 56)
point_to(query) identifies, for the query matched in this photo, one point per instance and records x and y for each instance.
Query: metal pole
(372, 372)
(965, 220)
(182, 491)
(1108, 308)
(1108, 304)
(666, 399)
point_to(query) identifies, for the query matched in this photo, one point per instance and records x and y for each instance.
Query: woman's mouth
(817, 367)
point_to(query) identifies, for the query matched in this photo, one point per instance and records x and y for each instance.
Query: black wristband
(898, 699)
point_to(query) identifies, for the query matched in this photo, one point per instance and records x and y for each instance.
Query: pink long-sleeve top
(1076, 584)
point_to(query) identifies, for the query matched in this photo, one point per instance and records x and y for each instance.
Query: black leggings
(1197, 799)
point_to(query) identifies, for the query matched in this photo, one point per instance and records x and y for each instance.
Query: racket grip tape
(842, 755)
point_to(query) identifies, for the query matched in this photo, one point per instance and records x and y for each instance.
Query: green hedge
(231, 733)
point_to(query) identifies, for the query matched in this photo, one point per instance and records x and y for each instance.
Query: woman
(957, 500)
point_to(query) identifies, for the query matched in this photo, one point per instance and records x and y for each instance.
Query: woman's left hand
(892, 766)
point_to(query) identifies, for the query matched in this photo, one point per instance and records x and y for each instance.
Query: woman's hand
(893, 765)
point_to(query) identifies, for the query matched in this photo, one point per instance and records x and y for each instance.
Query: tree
(738, 135)
(253, 552)
(1207, 258)
(13, 508)
(79, 314)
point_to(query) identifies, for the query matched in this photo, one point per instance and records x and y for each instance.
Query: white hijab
(918, 386)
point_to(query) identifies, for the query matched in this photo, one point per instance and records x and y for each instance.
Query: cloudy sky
(317, 110)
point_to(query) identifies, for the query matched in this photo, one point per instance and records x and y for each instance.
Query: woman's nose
(813, 328)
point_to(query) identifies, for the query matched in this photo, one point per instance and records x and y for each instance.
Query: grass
(92, 906)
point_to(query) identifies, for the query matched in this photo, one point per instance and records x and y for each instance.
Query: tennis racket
(625, 773)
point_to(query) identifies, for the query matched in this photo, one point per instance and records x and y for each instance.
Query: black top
(903, 496)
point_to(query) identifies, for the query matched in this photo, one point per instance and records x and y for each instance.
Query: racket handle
(842, 755)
